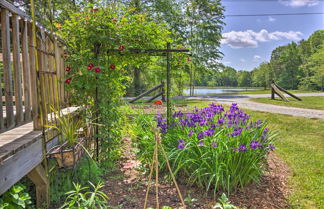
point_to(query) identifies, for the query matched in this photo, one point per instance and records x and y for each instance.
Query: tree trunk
(137, 81)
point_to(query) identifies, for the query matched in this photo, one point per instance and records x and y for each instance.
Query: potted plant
(70, 150)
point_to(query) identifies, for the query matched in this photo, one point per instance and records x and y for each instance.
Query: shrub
(15, 198)
(214, 149)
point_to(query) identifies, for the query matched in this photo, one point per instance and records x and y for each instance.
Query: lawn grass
(308, 102)
(269, 92)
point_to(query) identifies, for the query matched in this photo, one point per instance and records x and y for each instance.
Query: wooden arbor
(159, 52)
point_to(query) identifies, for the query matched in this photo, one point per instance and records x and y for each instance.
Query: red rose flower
(121, 47)
(114, 19)
(112, 66)
(94, 10)
(90, 66)
(97, 70)
(68, 81)
(68, 68)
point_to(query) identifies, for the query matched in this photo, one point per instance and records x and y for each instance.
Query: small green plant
(82, 197)
(190, 200)
(15, 198)
(224, 203)
(68, 126)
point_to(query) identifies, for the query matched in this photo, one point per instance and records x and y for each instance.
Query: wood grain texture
(20, 164)
(7, 74)
(33, 81)
(26, 71)
(39, 178)
(17, 70)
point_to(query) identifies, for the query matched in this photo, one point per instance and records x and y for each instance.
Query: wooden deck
(21, 151)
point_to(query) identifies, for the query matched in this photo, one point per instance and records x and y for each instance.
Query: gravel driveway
(244, 102)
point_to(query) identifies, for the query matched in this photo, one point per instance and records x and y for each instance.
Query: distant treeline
(293, 66)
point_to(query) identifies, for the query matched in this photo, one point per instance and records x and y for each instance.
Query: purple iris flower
(190, 133)
(242, 148)
(200, 135)
(255, 144)
(200, 143)
(181, 144)
(271, 147)
(221, 121)
(213, 144)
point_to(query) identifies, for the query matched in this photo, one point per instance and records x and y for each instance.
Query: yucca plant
(68, 126)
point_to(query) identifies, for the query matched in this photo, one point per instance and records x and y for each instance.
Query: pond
(213, 91)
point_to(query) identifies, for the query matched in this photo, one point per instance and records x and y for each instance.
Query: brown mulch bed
(126, 188)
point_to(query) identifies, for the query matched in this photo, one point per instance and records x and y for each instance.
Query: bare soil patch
(126, 187)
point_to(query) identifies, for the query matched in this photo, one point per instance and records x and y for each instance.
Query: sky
(249, 41)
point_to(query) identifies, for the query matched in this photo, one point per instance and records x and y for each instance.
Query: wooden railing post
(33, 81)
(26, 71)
(5, 32)
(17, 69)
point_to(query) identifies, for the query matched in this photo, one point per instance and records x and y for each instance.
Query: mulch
(126, 187)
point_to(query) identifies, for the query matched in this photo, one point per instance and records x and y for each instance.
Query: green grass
(301, 145)
(269, 92)
(308, 102)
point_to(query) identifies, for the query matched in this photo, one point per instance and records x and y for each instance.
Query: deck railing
(25, 92)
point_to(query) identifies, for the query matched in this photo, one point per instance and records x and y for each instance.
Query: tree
(244, 79)
(261, 76)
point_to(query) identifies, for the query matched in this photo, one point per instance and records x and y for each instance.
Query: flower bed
(214, 149)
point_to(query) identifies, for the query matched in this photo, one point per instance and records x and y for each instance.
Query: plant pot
(68, 157)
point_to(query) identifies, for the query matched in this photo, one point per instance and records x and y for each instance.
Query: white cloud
(271, 19)
(256, 58)
(242, 60)
(250, 38)
(299, 3)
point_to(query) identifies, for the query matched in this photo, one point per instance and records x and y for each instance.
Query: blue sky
(248, 41)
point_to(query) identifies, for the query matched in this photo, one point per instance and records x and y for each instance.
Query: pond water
(213, 91)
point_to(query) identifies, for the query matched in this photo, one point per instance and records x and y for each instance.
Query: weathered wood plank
(146, 92)
(58, 72)
(39, 178)
(1, 106)
(17, 70)
(10, 140)
(33, 80)
(42, 87)
(278, 92)
(20, 164)
(26, 71)
(287, 92)
(5, 32)
(61, 79)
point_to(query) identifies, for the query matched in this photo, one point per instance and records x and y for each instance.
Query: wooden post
(17, 69)
(33, 80)
(163, 92)
(272, 93)
(39, 178)
(26, 71)
(5, 36)
(168, 79)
